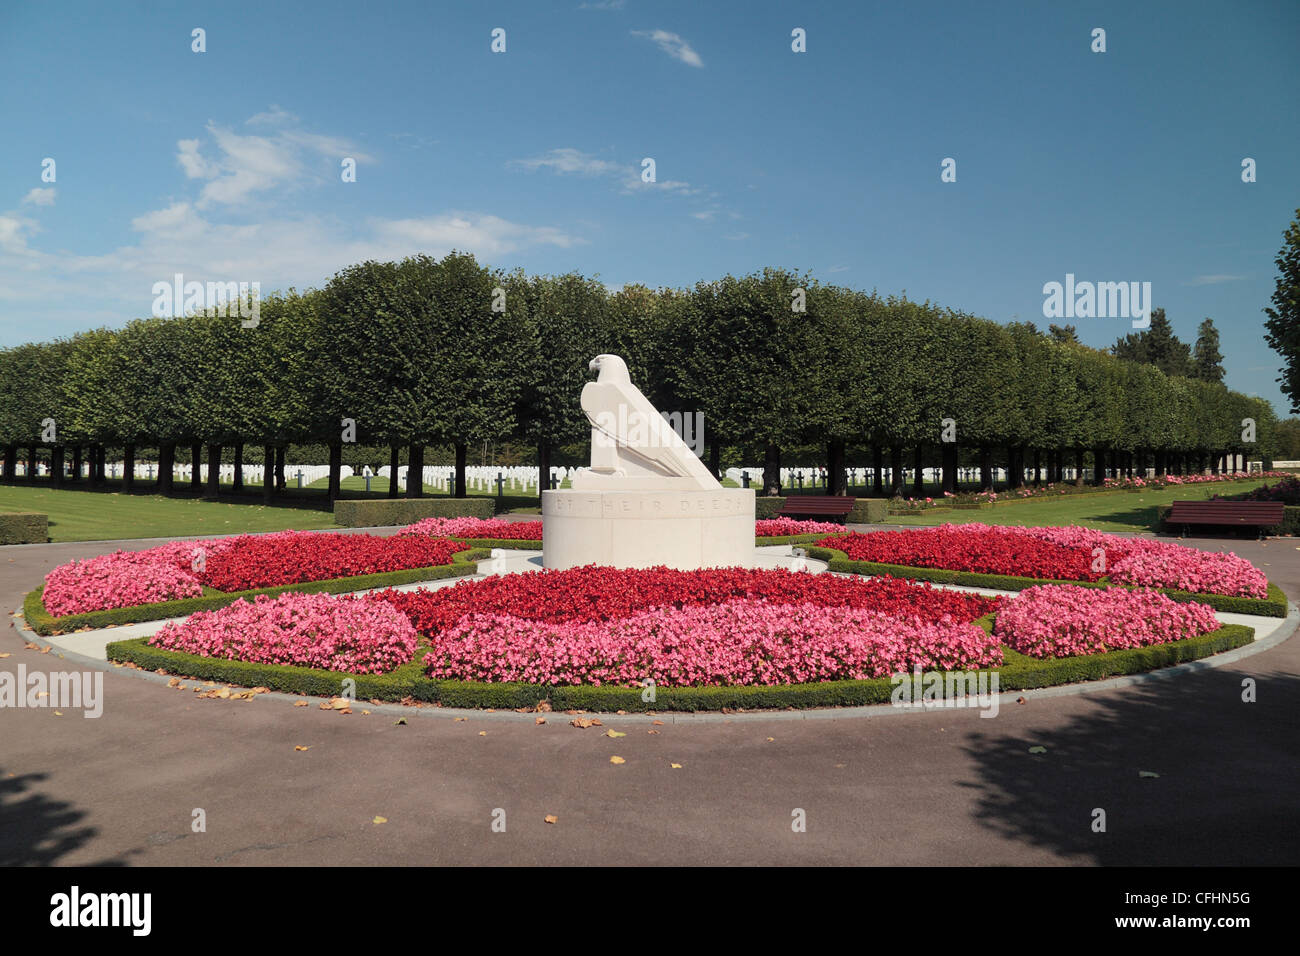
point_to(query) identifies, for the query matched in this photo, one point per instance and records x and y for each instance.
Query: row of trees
(449, 352)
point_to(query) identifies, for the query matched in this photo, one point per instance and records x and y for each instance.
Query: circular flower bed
(310, 630)
(1058, 620)
(1070, 554)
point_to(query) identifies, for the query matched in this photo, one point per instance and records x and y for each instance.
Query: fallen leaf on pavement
(551, 818)
(302, 748)
(617, 760)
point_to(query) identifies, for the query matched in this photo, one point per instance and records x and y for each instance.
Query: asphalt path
(1185, 771)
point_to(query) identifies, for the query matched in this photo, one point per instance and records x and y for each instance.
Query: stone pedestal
(641, 529)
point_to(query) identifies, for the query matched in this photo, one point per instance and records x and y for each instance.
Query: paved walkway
(926, 788)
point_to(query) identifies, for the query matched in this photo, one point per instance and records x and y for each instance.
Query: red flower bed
(983, 549)
(270, 560)
(602, 594)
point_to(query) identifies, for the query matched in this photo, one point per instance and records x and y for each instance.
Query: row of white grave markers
(522, 479)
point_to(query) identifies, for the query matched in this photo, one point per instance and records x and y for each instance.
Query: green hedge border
(1018, 672)
(42, 622)
(24, 527)
(1275, 605)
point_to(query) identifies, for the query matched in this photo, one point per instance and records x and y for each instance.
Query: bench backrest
(818, 504)
(1228, 511)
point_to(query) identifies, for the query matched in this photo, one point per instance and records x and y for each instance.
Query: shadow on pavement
(36, 830)
(1226, 789)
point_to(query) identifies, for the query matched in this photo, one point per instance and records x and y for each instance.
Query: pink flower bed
(736, 642)
(475, 528)
(180, 569)
(1162, 564)
(773, 527)
(309, 630)
(1059, 553)
(1060, 620)
(121, 579)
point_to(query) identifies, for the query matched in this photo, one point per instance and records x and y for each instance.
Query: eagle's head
(611, 368)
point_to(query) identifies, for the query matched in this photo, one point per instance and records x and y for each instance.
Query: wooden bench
(834, 507)
(1237, 514)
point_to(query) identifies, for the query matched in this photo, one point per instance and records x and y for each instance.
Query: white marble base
(642, 529)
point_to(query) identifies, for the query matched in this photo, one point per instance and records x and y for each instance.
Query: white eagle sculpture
(633, 448)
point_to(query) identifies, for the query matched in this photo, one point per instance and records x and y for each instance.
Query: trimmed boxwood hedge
(1275, 605)
(385, 512)
(24, 528)
(1018, 672)
(42, 622)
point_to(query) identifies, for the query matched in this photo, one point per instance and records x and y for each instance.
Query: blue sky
(224, 165)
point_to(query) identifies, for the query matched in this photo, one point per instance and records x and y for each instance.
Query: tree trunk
(877, 471)
(394, 456)
(836, 479)
(336, 471)
(543, 467)
(986, 468)
(128, 468)
(268, 473)
(76, 462)
(461, 451)
(213, 489)
(31, 463)
(895, 470)
(415, 470)
(918, 479)
(166, 462)
(771, 470)
(56, 465)
(280, 482)
(238, 481)
(11, 462)
(949, 481)
(1038, 467)
(196, 466)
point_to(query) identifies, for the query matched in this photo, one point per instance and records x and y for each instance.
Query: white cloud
(737, 236)
(40, 197)
(11, 234)
(481, 234)
(705, 216)
(673, 45)
(569, 160)
(246, 165)
(1215, 279)
(603, 5)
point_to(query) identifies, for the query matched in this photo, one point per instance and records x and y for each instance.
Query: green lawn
(77, 515)
(1109, 511)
